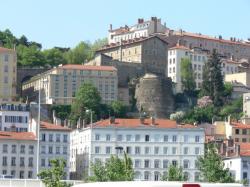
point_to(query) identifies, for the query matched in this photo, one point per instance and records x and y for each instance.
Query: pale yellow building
(243, 77)
(8, 63)
(59, 85)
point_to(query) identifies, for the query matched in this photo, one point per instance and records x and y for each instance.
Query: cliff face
(154, 96)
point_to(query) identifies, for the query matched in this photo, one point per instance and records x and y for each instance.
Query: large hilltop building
(8, 63)
(140, 29)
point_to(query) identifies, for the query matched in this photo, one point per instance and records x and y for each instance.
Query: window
(185, 138)
(58, 137)
(165, 150)
(197, 139)
(43, 137)
(147, 150)
(185, 152)
(196, 176)
(244, 175)
(5, 148)
(65, 138)
(165, 163)
(165, 138)
(137, 137)
(244, 131)
(43, 162)
(173, 69)
(22, 161)
(13, 173)
(174, 162)
(186, 164)
(173, 60)
(50, 150)
(13, 149)
(21, 174)
(30, 174)
(128, 150)
(119, 137)
(197, 150)
(57, 150)
(137, 150)
(128, 138)
(43, 149)
(156, 150)
(108, 150)
(146, 138)
(65, 150)
(30, 162)
(174, 138)
(137, 163)
(236, 140)
(174, 150)
(107, 137)
(97, 137)
(6, 68)
(31, 149)
(6, 58)
(97, 150)
(244, 164)
(170, 70)
(146, 164)
(13, 161)
(4, 162)
(244, 140)
(22, 150)
(156, 164)
(196, 164)
(50, 137)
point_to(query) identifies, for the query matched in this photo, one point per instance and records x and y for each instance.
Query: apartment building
(59, 85)
(150, 51)
(140, 29)
(14, 117)
(8, 63)
(198, 58)
(18, 154)
(54, 143)
(241, 77)
(152, 144)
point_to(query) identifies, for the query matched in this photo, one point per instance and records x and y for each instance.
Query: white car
(156, 184)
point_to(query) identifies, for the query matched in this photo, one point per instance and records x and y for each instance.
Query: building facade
(14, 117)
(198, 59)
(141, 29)
(152, 144)
(59, 85)
(54, 143)
(8, 65)
(150, 51)
(18, 154)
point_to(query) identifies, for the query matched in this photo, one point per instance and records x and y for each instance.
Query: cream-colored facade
(243, 77)
(8, 63)
(198, 59)
(59, 85)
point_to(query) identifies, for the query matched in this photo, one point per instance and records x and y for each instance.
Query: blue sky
(67, 22)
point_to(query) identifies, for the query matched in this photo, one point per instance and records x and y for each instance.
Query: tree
(87, 98)
(212, 166)
(54, 57)
(115, 169)
(118, 109)
(187, 76)
(177, 116)
(174, 173)
(212, 79)
(52, 177)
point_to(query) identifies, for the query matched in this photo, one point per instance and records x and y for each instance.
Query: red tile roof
(134, 123)
(240, 125)
(194, 35)
(49, 126)
(88, 67)
(2, 49)
(17, 135)
(244, 149)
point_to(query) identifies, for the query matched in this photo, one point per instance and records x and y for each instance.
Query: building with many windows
(14, 117)
(152, 144)
(198, 58)
(54, 143)
(8, 63)
(59, 85)
(18, 154)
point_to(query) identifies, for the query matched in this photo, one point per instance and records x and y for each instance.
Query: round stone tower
(154, 96)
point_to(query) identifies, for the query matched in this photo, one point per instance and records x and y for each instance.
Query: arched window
(157, 176)
(165, 163)
(197, 176)
(147, 176)
(186, 176)
(186, 164)
(138, 175)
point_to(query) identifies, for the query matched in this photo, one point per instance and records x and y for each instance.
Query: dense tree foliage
(118, 109)
(212, 166)
(174, 173)
(52, 177)
(115, 169)
(30, 53)
(212, 79)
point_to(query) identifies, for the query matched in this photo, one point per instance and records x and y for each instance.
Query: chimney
(110, 27)
(154, 19)
(111, 120)
(237, 150)
(229, 119)
(152, 120)
(140, 20)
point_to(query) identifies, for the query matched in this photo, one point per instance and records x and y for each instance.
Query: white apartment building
(18, 154)
(198, 59)
(141, 29)
(14, 117)
(59, 85)
(152, 144)
(54, 143)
